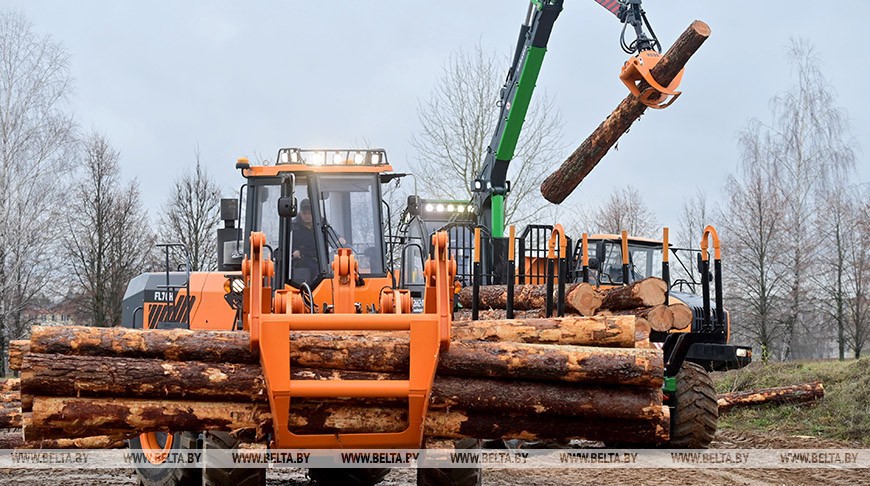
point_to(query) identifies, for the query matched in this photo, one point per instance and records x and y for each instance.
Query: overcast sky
(245, 78)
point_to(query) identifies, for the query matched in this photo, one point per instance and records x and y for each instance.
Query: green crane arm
(491, 185)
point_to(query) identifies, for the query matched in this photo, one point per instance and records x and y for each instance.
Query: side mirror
(594, 264)
(599, 251)
(287, 201)
(286, 206)
(414, 205)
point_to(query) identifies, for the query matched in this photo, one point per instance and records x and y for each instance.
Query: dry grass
(844, 413)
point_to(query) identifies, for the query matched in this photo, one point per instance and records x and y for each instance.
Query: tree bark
(807, 392)
(536, 362)
(617, 332)
(379, 352)
(577, 166)
(648, 292)
(490, 314)
(10, 409)
(138, 416)
(81, 376)
(526, 297)
(585, 299)
(17, 349)
(658, 318)
(10, 384)
(175, 344)
(683, 315)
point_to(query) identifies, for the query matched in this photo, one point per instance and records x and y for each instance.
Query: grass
(844, 413)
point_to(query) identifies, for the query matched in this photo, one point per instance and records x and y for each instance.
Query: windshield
(645, 261)
(350, 216)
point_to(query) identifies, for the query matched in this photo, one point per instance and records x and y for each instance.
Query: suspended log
(585, 299)
(558, 185)
(17, 349)
(804, 393)
(583, 331)
(683, 315)
(10, 384)
(648, 292)
(57, 375)
(379, 352)
(137, 416)
(174, 344)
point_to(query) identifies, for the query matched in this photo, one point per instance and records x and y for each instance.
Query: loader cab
(332, 199)
(645, 257)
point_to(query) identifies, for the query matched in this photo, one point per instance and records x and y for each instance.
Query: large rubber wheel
(231, 476)
(695, 411)
(348, 477)
(166, 475)
(466, 476)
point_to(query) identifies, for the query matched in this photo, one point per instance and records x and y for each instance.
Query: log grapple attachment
(271, 333)
(636, 71)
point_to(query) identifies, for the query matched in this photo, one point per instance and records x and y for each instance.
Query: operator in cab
(304, 265)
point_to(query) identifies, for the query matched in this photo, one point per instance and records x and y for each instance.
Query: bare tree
(108, 240)
(858, 278)
(625, 210)
(809, 144)
(37, 136)
(191, 216)
(753, 224)
(695, 216)
(839, 209)
(457, 124)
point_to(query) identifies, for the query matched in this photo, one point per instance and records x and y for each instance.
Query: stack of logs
(644, 299)
(556, 378)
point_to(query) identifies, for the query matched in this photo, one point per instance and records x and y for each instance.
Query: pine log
(490, 314)
(648, 292)
(10, 384)
(584, 298)
(137, 416)
(536, 362)
(683, 315)
(803, 393)
(17, 349)
(86, 376)
(379, 352)
(174, 344)
(526, 297)
(658, 318)
(10, 410)
(93, 442)
(582, 331)
(558, 185)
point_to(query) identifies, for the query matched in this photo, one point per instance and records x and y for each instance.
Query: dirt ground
(503, 477)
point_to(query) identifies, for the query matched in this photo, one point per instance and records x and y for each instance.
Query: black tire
(452, 476)
(694, 412)
(348, 477)
(230, 476)
(169, 475)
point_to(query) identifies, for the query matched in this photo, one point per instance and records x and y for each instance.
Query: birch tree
(37, 137)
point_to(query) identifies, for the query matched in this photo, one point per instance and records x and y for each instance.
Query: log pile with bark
(556, 378)
(643, 299)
